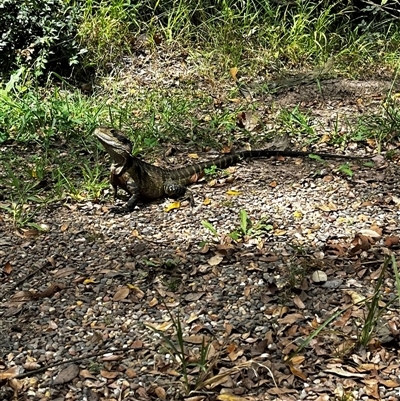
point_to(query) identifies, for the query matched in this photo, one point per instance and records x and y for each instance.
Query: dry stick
(32, 372)
(28, 276)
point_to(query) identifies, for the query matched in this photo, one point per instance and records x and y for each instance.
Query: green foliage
(39, 34)
(298, 124)
(40, 114)
(206, 224)
(176, 347)
(246, 227)
(107, 31)
(346, 169)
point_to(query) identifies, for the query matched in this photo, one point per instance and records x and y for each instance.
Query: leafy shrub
(39, 34)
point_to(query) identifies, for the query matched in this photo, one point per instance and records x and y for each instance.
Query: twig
(81, 358)
(28, 276)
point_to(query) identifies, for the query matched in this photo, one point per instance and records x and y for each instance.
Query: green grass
(54, 156)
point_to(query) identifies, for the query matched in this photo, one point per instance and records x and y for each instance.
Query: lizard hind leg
(177, 191)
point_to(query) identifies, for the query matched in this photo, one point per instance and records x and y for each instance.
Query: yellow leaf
(232, 192)
(279, 232)
(133, 286)
(171, 206)
(89, 281)
(153, 302)
(297, 214)
(193, 155)
(234, 71)
(356, 297)
(206, 201)
(325, 138)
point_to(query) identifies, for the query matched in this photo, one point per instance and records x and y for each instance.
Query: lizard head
(117, 145)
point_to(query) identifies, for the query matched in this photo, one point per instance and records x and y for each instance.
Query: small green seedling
(345, 169)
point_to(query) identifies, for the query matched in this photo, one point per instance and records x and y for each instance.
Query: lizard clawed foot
(120, 210)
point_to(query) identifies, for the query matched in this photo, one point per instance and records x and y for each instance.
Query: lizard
(144, 180)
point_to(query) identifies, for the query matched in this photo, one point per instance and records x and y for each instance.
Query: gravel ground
(114, 277)
(91, 309)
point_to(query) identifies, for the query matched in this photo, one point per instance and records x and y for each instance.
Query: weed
(375, 310)
(206, 224)
(345, 169)
(297, 123)
(248, 229)
(181, 356)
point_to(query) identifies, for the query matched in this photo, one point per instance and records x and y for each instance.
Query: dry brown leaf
(137, 344)
(228, 328)
(297, 372)
(194, 296)
(86, 374)
(230, 397)
(341, 372)
(391, 241)
(121, 294)
(136, 290)
(109, 375)
(215, 260)
(233, 356)
(328, 207)
(31, 365)
(361, 243)
(373, 233)
(67, 374)
(196, 339)
(10, 373)
(192, 318)
(65, 272)
(343, 319)
(388, 383)
(372, 387)
(131, 373)
(160, 393)
(291, 318)
(7, 268)
(297, 360)
(298, 302)
(161, 326)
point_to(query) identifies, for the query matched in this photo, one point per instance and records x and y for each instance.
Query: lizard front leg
(177, 191)
(126, 183)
